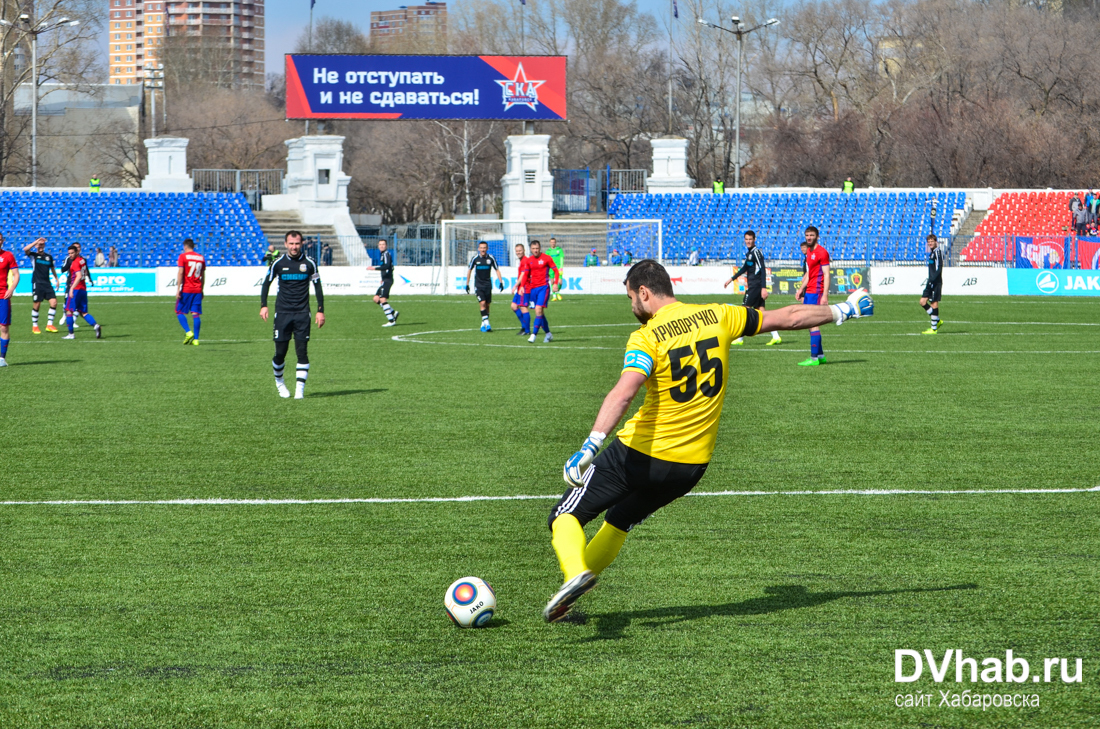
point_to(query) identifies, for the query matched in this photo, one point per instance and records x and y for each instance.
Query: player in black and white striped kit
(755, 270)
(295, 272)
(480, 272)
(382, 295)
(930, 298)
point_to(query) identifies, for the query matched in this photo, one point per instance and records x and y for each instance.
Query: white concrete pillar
(167, 165)
(669, 166)
(316, 186)
(528, 188)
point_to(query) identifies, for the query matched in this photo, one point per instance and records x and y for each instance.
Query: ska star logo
(520, 90)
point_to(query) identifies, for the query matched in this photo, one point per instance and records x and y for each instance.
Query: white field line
(406, 338)
(526, 497)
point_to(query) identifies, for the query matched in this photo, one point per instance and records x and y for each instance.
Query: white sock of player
(387, 310)
(484, 318)
(935, 319)
(278, 369)
(34, 317)
(302, 374)
(775, 334)
(50, 315)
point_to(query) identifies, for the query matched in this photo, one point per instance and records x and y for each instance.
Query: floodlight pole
(34, 110)
(739, 31)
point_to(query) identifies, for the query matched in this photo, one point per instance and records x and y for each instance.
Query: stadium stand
(854, 226)
(148, 228)
(1019, 213)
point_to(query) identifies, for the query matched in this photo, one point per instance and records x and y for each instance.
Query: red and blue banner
(520, 88)
(1042, 251)
(1088, 253)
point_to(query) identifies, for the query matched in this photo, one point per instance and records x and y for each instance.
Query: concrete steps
(276, 225)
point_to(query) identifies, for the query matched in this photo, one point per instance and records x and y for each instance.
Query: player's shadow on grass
(845, 361)
(342, 393)
(46, 362)
(611, 626)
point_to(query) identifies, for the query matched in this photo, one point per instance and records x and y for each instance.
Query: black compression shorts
(629, 485)
(294, 323)
(384, 290)
(754, 298)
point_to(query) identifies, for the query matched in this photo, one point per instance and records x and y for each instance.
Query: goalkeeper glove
(467, 288)
(501, 285)
(579, 462)
(858, 304)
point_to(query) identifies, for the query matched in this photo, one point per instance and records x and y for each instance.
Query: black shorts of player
(42, 293)
(932, 291)
(484, 293)
(629, 485)
(295, 323)
(383, 291)
(754, 298)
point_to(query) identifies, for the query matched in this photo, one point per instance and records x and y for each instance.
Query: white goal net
(577, 239)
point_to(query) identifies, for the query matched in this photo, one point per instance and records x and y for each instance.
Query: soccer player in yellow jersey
(681, 355)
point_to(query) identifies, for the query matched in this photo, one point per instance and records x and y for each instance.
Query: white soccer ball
(470, 602)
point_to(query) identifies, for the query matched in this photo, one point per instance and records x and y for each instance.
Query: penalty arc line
(526, 497)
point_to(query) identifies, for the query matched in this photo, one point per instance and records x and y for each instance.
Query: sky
(286, 19)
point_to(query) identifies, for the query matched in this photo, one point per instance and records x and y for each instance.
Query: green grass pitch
(722, 611)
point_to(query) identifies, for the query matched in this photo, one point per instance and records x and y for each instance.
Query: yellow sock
(569, 542)
(604, 547)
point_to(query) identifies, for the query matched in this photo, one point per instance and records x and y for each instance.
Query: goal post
(641, 238)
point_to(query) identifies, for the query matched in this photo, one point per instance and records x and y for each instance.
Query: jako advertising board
(1055, 282)
(425, 87)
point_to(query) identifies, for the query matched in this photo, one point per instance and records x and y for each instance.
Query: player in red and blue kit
(190, 277)
(76, 299)
(8, 267)
(814, 289)
(519, 296)
(533, 275)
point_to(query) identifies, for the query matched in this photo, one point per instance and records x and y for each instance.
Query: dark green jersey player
(42, 288)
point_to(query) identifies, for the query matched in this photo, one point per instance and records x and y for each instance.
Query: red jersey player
(814, 289)
(76, 299)
(8, 266)
(190, 277)
(533, 277)
(519, 296)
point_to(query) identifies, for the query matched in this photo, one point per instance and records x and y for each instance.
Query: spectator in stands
(271, 255)
(326, 255)
(591, 259)
(1080, 215)
(693, 257)
(848, 186)
(615, 259)
(719, 187)
(628, 257)
(1095, 206)
(112, 257)
(100, 259)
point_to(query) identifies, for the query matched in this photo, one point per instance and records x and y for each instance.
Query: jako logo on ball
(470, 602)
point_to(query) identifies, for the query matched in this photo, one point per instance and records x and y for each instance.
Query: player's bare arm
(263, 313)
(13, 281)
(27, 248)
(808, 316)
(824, 285)
(319, 318)
(618, 401)
(179, 282)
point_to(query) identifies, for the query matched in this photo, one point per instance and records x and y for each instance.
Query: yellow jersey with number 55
(684, 353)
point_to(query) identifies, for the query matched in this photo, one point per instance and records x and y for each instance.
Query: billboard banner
(1053, 283)
(1042, 251)
(114, 281)
(1088, 253)
(425, 87)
